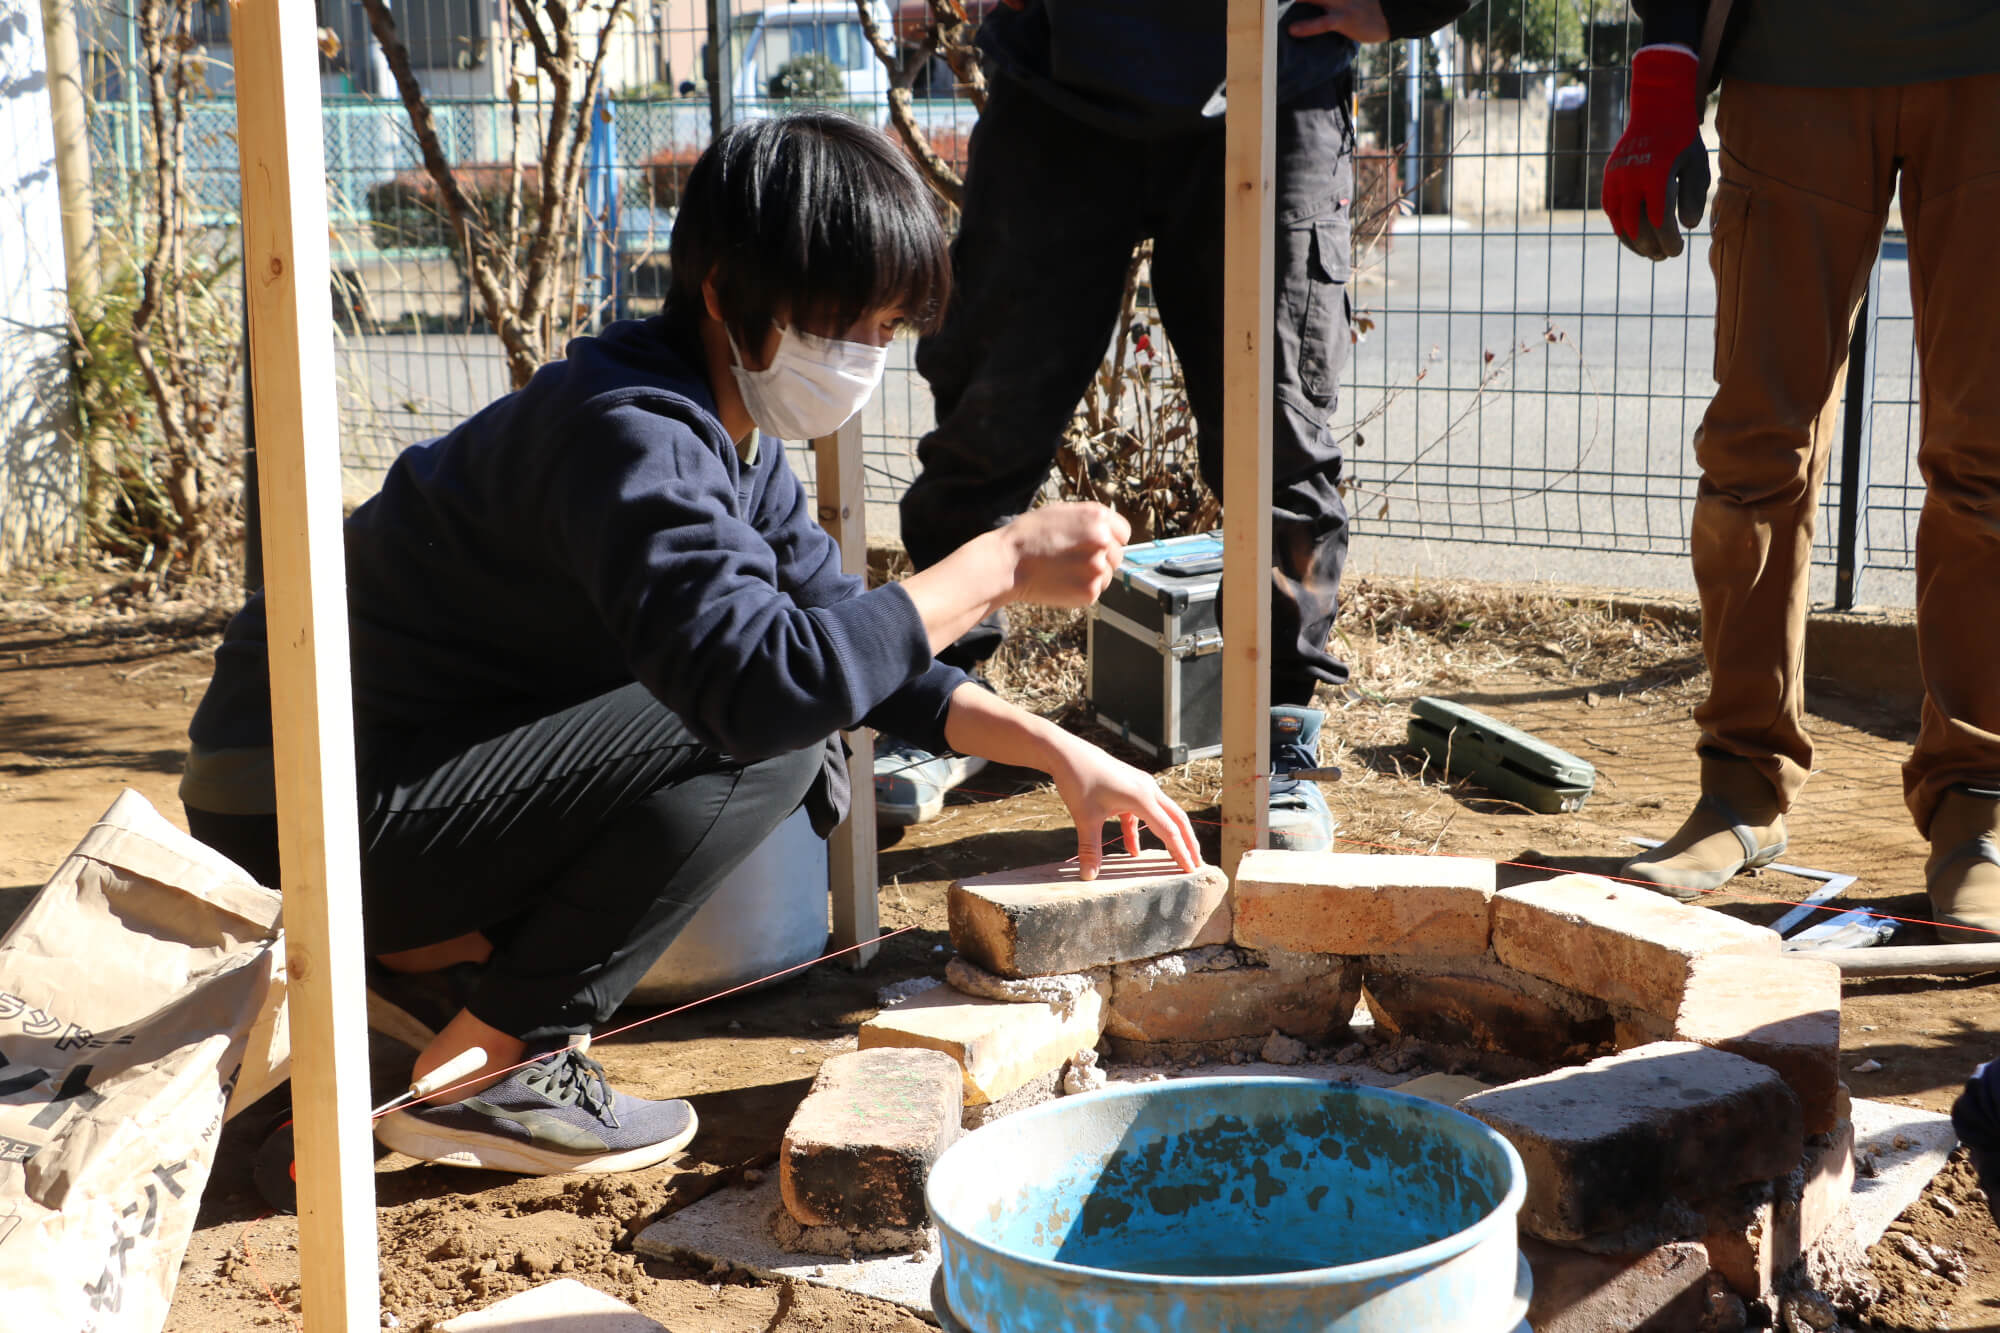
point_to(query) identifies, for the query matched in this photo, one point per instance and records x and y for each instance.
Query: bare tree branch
(949, 29)
(943, 177)
(473, 239)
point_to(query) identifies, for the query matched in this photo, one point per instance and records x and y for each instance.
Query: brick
(1336, 902)
(1044, 920)
(998, 1046)
(1475, 1002)
(861, 1144)
(564, 1303)
(1621, 943)
(1041, 1088)
(1633, 1027)
(1783, 1012)
(1618, 1150)
(1825, 1182)
(1218, 996)
(1662, 1290)
(1752, 1244)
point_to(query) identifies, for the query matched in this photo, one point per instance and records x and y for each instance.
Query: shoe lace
(572, 1078)
(1286, 759)
(890, 747)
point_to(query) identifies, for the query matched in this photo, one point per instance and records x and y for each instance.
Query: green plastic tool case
(1505, 760)
(1154, 672)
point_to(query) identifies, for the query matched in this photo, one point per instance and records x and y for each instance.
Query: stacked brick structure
(1689, 1139)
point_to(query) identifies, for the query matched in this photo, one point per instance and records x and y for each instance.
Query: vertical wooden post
(851, 849)
(1249, 164)
(67, 112)
(278, 136)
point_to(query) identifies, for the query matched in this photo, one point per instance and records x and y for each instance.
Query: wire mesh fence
(1521, 400)
(1523, 384)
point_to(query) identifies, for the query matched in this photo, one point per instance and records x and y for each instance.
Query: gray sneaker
(558, 1115)
(910, 784)
(1300, 820)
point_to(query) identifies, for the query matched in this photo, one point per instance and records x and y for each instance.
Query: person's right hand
(1660, 161)
(1065, 554)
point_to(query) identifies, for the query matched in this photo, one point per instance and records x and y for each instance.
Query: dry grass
(1402, 639)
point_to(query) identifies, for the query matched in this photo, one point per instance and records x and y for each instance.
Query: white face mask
(812, 386)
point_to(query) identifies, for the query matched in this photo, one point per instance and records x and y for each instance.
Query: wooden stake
(1940, 961)
(1249, 164)
(298, 437)
(850, 851)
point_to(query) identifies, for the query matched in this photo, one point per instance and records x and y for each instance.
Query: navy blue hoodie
(595, 528)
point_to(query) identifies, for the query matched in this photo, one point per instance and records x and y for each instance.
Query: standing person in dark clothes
(1827, 112)
(1097, 134)
(600, 645)
(1975, 1118)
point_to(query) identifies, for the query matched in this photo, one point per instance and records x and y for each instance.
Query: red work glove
(1661, 156)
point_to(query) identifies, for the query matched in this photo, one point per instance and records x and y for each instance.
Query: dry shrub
(1041, 665)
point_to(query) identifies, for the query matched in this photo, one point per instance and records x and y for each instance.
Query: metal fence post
(1857, 438)
(718, 71)
(1413, 119)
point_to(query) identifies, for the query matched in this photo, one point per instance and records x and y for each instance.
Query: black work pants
(580, 840)
(1053, 208)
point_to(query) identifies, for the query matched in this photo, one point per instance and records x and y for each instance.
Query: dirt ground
(94, 699)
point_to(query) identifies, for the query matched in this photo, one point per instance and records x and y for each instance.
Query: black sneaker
(555, 1116)
(411, 1007)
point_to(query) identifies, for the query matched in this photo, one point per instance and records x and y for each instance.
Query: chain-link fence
(1523, 394)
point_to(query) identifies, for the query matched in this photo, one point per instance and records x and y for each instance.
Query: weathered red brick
(1619, 942)
(998, 1046)
(1044, 920)
(861, 1144)
(1342, 903)
(1753, 1243)
(1478, 1003)
(1662, 1290)
(1783, 1012)
(1228, 996)
(1618, 1150)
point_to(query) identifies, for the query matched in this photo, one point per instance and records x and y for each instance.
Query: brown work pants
(1807, 177)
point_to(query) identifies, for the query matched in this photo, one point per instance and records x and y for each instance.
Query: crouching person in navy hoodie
(600, 647)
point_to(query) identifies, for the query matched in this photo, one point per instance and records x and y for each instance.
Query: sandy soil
(91, 703)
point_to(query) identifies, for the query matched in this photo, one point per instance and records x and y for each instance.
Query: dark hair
(812, 213)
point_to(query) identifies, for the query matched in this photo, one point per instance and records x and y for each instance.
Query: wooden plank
(851, 873)
(1939, 961)
(1249, 164)
(298, 436)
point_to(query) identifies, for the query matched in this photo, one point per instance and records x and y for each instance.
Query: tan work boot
(1963, 872)
(1735, 826)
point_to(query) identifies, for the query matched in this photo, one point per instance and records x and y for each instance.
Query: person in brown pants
(1824, 110)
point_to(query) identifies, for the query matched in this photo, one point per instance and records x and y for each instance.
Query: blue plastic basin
(1279, 1205)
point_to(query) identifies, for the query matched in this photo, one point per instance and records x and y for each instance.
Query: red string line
(258, 1270)
(1769, 899)
(654, 1018)
(1408, 848)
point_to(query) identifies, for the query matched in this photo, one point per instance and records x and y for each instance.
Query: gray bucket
(1231, 1205)
(768, 914)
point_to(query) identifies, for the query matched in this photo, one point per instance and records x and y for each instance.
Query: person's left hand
(1362, 20)
(1097, 788)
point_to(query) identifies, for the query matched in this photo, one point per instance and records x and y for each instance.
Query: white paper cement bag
(141, 998)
